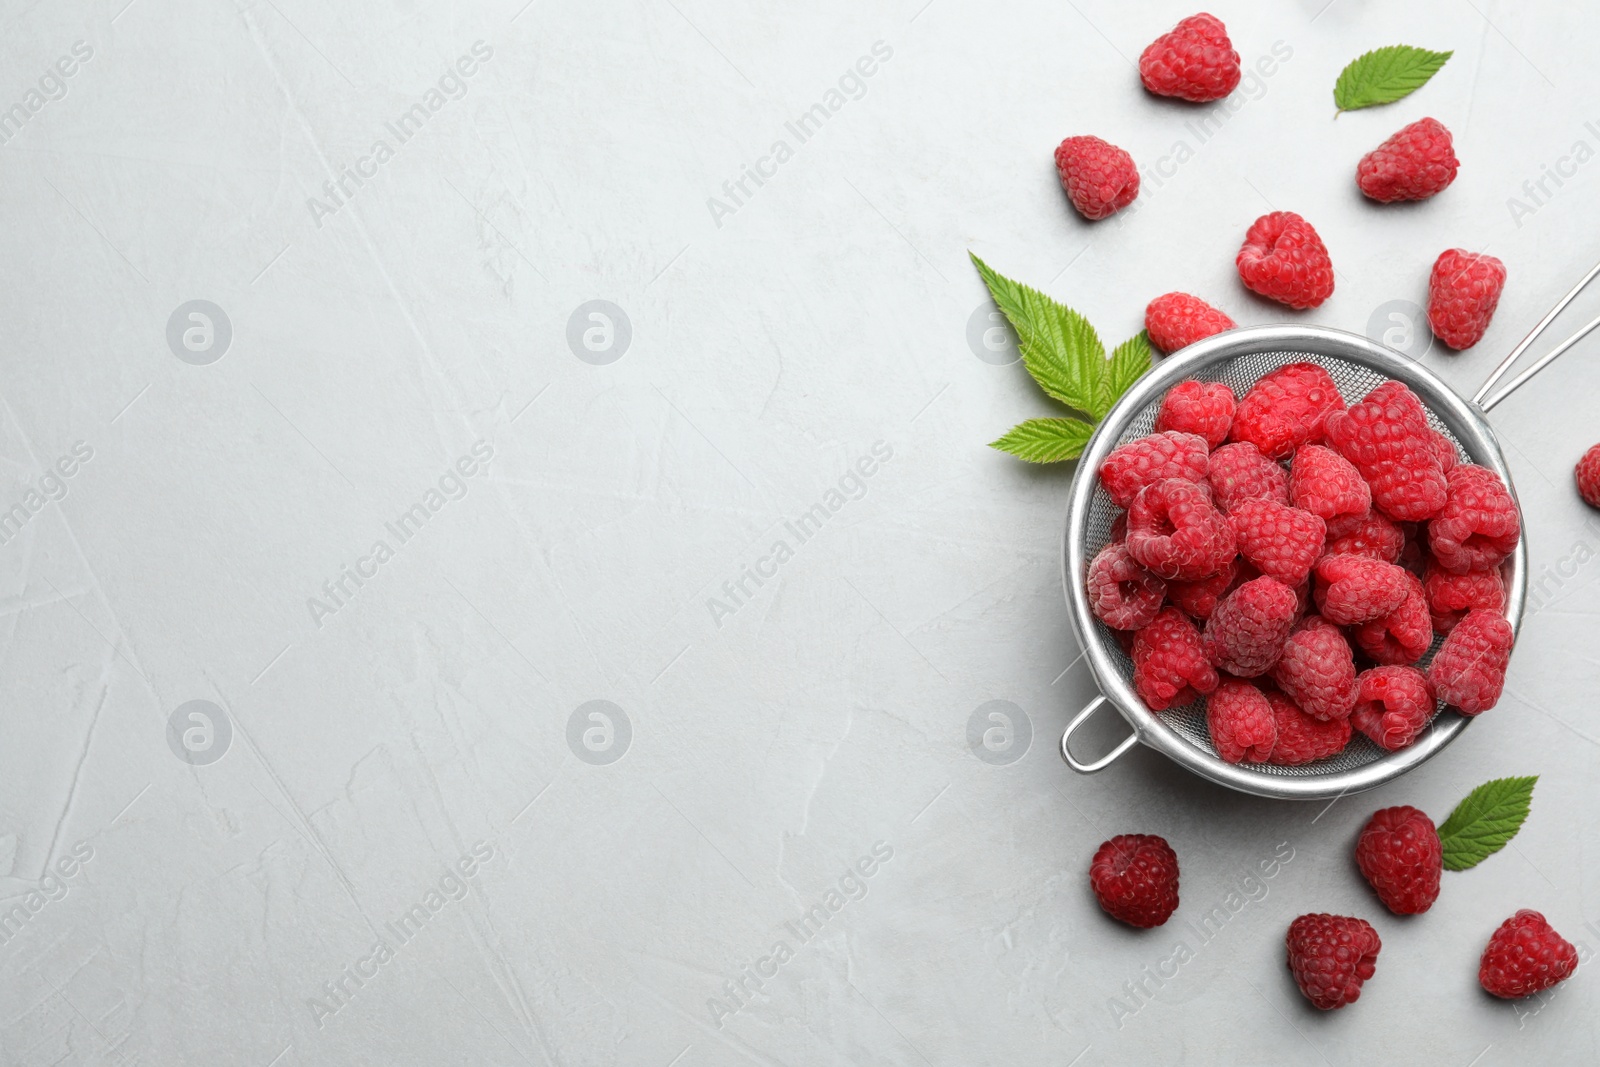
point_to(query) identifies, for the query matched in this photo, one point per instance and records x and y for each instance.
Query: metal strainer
(1238, 358)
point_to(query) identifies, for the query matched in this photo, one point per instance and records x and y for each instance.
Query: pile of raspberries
(1290, 559)
(1282, 257)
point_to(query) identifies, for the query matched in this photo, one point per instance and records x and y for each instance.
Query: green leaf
(1483, 823)
(1385, 75)
(1045, 440)
(1129, 360)
(1059, 347)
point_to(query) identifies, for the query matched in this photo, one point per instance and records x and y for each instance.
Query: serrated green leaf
(1385, 75)
(1046, 440)
(1483, 823)
(1059, 347)
(1129, 361)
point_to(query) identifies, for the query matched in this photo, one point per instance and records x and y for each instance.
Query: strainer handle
(1482, 397)
(1104, 761)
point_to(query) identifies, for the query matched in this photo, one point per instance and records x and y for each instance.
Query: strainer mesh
(1355, 381)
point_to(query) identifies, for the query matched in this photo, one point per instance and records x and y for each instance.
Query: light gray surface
(769, 748)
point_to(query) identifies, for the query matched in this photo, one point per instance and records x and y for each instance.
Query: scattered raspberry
(1135, 878)
(1099, 177)
(1326, 484)
(1239, 472)
(1370, 535)
(1451, 596)
(1354, 589)
(1194, 61)
(1199, 598)
(1463, 291)
(1177, 320)
(1525, 956)
(1243, 728)
(1317, 669)
(1588, 475)
(1245, 635)
(1279, 541)
(1122, 594)
(1331, 955)
(1169, 662)
(1405, 634)
(1388, 438)
(1445, 451)
(1201, 408)
(1131, 467)
(1174, 532)
(1304, 738)
(1412, 165)
(1393, 705)
(1469, 670)
(1478, 526)
(1283, 259)
(1401, 858)
(1286, 408)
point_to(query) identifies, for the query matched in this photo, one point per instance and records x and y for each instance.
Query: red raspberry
(1393, 705)
(1245, 635)
(1199, 598)
(1317, 669)
(1331, 955)
(1451, 596)
(1099, 177)
(1193, 61)
(1463, 291)
(1286, 408)
(1388, 438)
(1174, 532)
(1401, 858)
(1326, 484)
(1169, 663)
(1135, 878)
(1405, 634)
(1239, 472)
(1412, 165)
(1131, 467)
(1177, 320)
(1370, 535)
(1122, 594)
(1469, 670)
(1304, 738)
(1414, 552)
(1279, 541)
(1243, 728)
(1588, 475)
(1283, 259)
(1201, 408)
(1478, 526)
(1525, 956)
(1446, 451)
(1353, 589)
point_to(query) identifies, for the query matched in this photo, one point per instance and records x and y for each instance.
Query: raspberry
(1317, 669)
(1404, 634)
(1239, 472)
(1243, 728)
(1177, 320)
(1283, 259)
(1525, 956)
(1469, 670)
(1279, 541)
(1401, 858)
(1326, 484)
(1201, 408)
(1169, 662)
(1199, 598)
(1445, 451)
(1451, 596)
(1463, 291)
(1303, 738)
(1135, 878)
(1245, 634)
(1388, 438)
(1412, 165)
(1122, 594)
(1370, 535)
(1174, 532)
(1393, 705)
(1587, 473)
(1478, 526)
(1193, 61)
(1099, 177)
(1286, 408)
(1131, 467)
(1414, 552)
(1353, 589)
(1331, 955)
